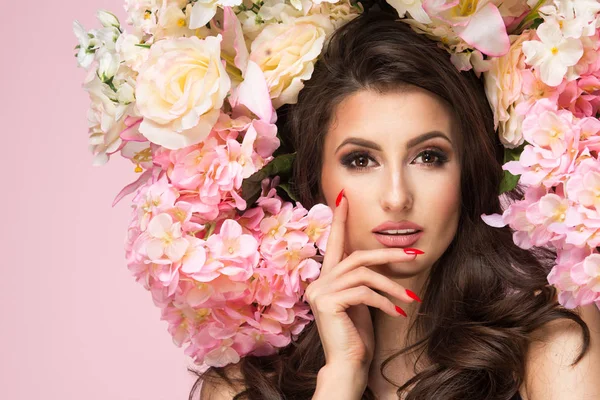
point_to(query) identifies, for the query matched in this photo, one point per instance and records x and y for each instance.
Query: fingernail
(339, 198)
(413, 295)
(411, 251)
(400, 311)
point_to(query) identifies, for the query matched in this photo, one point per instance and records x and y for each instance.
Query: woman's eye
(361, 160)
(357, 160)
(432, 157)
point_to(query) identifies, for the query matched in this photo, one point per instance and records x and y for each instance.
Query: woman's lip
(398, 240)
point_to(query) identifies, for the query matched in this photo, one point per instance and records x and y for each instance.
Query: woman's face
(394, 155)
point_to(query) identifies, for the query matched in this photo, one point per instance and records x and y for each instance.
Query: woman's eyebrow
(411, 143)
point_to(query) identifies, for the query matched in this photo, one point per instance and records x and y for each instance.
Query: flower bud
(107, 66)
(108, 19)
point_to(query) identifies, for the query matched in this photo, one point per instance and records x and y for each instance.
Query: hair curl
(485, 296)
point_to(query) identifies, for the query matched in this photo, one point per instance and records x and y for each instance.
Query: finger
(334, 303)
(372, 279)
(335, 242)
(361, 258)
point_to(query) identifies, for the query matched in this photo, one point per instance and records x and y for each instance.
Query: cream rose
(286, 54)
(503, 86)
(180, 90)
(340, 12)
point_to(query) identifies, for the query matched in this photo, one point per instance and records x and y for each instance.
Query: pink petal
(132, 133)
(233, 39)
(494, 220)
(486, 32)
(253, 93)
(132, 186)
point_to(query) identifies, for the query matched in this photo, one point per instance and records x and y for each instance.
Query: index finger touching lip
(335, 242)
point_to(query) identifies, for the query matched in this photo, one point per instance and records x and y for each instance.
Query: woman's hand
(340, 296)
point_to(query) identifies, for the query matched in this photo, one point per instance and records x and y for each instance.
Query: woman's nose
(396, 194)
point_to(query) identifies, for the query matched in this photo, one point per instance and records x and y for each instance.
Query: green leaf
(279, 166)
(513, 154)
(536, 22)
(288, 190)
(509, 181)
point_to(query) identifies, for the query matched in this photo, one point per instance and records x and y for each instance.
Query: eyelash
(348, 159)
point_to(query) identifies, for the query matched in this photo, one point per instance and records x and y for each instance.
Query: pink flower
(583, 186)
(552, 212)
(275, 227)
(535, 89)
(237, 251)
(165, 239)
(154, 198)
(536, 166)
(522, 215)
(589, 136)
(550, 129)
(586, 275)
(318, 223)
(479, 23)
(582, 227)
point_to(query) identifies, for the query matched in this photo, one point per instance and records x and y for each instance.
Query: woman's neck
(391, 336)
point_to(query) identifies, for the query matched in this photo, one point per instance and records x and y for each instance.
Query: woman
(407, 150)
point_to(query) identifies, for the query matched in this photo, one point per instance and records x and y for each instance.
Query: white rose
(510, 131)
(180, 90)
(286, 54)
(503, 86)
(339, 12)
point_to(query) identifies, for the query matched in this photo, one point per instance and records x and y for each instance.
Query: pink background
(75, 324)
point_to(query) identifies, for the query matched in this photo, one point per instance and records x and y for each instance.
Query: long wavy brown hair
(485, 296)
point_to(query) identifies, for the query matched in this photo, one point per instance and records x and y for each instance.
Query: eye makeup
(439, 158)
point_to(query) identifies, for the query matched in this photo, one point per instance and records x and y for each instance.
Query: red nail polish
(339, 198)
(413, 295)
(411, 251)
(400, 311)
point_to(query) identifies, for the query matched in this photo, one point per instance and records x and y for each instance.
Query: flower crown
(216, 235)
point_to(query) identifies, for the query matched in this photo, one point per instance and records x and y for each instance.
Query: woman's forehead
(389, 118)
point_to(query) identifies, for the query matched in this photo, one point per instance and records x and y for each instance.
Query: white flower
(174, 21)
(142, 14)
(108, 65)
(180, 90)
(413, 7)
(108, 19)
(339, 13)
(576, 18)
(87, 45)
(204, 10)
(133, 56)
(286, 54)
(270, 12)
(510, 130)
(106, 119)
(554, 54)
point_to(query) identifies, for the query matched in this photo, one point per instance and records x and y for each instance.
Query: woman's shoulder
(554, 347)
(215, 387)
